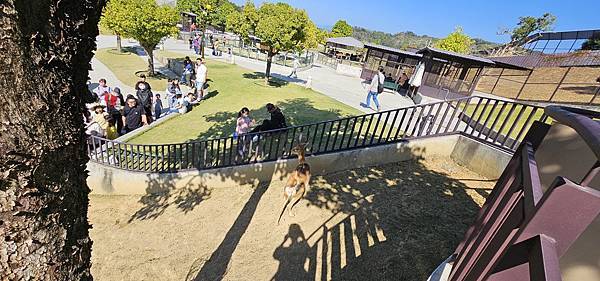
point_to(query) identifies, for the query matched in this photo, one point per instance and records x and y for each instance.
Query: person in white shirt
(376, 88)
(102, 89)
(201, 75)
(296, 65)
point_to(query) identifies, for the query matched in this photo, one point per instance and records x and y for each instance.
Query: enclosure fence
(543, 84)
(496, 122)
(522, 231)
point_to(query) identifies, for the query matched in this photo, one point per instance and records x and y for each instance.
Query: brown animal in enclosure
(298, 181)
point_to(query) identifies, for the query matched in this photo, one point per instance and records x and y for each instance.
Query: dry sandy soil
(391, 222)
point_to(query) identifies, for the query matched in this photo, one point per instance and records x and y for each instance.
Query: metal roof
(393, 50)
(581, 58)
(346, 41)
(455, 56)
(566, 35)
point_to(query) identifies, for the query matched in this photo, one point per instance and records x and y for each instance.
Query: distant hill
(407, 40)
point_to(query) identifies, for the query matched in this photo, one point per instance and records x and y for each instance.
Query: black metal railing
(492, 121)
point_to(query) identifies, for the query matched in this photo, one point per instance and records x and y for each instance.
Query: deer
(298, 181)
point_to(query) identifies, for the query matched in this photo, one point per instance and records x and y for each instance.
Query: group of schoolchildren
(112, 115)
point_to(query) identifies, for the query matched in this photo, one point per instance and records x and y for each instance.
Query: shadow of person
(292, 255)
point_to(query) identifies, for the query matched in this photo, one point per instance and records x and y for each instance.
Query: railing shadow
(392, 222)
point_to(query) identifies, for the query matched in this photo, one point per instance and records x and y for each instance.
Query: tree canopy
(210, 12)
(281, 27)
(457, 41)
(528, 25)
(243, 22)
(341, 29)
(592, 43)
(144, 21)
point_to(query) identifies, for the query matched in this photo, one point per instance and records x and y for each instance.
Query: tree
(280, 28)
(341, 29)
(112, 18)
(144, 21)
(457, 42)
(592, 43)
(43, 189)
(521, 34)
(223, 10)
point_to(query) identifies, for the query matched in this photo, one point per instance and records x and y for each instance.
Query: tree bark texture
(119, 45)
(45, 52)
(150, 52)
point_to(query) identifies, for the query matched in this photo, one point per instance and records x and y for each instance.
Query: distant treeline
(407, 40)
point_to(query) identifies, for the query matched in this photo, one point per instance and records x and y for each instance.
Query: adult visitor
(102, 89)
(277, 120)
(114, 105)
(376, 88)
(201, 75)
(144, 97)
(134, 115)
(188, 71)
(404, 85)
(295, 66)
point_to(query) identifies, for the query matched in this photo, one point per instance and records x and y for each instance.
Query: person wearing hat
(100, 116)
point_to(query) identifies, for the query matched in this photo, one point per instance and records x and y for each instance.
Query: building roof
(581, 58)
(447, 55)
(565, 35)
(393, 50)
(346, 41)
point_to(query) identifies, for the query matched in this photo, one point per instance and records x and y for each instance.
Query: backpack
(379, 85)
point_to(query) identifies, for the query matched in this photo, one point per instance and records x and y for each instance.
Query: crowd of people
(114, 114)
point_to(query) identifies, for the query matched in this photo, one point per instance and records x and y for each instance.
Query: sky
(482, 19)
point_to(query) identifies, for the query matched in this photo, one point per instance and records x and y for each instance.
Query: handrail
(581, 121)
(351, 132)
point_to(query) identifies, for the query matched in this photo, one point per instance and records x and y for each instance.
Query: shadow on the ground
(583, 90)
(273, 81)
(392, 222)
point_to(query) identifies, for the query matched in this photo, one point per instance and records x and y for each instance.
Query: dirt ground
(391, 222)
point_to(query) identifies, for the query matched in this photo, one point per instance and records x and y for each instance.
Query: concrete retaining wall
(480, 158)
(107, 180)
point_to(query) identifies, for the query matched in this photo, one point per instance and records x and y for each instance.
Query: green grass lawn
(487, 110)
(231, 88)
(125, 65)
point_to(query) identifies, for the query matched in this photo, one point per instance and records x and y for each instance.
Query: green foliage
(281, 27)
(592, 43)
(457, 42)
(142, 20)
(250, 14)
(341, 29)
(219, 18)
(528, 25)
(242, 23)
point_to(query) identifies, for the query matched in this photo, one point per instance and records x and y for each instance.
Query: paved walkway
(346, 89)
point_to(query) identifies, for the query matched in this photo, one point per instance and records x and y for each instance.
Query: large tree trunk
(119, 45)
(150, 53)
(45, 53)
(269, 62)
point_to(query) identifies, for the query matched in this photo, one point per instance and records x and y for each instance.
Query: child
(111, 130)
(157, 107)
